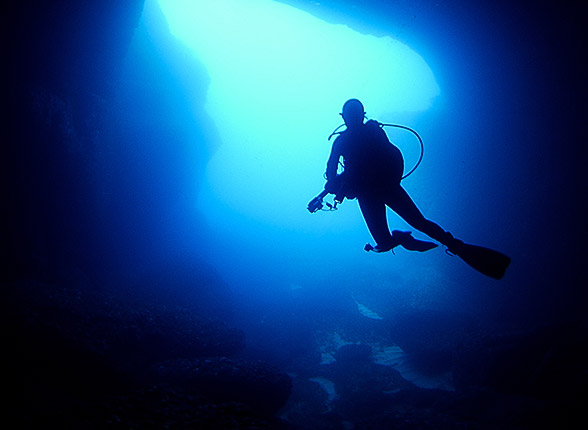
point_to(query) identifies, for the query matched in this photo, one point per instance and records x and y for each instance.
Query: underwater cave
(160, 266)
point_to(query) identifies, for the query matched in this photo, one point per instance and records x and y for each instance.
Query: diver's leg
(373, 210)
(401, 203)
(486, 261)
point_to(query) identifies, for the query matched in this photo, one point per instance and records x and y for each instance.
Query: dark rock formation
(353, 353)
(104, 139)
(104, 142)
(61, 60)
(167, 407)
(84, 357)
(545, 364)
(363, 389)
(261, 387)
(431, 337)
(130, 334)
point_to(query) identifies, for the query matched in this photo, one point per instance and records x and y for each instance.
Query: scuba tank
(403, 127)
(338, 188)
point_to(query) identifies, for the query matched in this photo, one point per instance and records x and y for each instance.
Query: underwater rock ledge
(86, 358)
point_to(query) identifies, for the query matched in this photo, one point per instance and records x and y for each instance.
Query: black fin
(487, 261)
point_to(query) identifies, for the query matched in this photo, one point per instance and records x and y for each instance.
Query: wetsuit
(373, 169)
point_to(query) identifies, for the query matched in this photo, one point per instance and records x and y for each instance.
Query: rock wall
(62, 58)
(104, 141)
(104, 137)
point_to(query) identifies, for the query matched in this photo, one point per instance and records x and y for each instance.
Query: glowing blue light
(278, 78)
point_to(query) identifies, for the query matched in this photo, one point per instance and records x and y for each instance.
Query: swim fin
(487, 261)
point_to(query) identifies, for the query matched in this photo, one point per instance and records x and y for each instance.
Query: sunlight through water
(278, 79)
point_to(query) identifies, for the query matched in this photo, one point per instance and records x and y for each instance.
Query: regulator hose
(420, 143)
(397, 126)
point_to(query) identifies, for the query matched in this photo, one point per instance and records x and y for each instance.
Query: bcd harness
(316, 204)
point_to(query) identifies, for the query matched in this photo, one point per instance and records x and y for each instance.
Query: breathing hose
(397, 126)
(420, 143)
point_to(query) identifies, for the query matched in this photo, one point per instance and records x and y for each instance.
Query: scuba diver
(372, 172)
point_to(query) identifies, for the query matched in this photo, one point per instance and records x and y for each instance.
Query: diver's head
(353, 113)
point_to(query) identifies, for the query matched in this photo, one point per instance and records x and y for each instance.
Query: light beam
(278, 78)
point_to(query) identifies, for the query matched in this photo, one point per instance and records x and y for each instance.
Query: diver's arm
(333, 161)
(333, 184)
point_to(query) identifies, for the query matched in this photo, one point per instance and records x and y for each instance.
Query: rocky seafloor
(81, 358)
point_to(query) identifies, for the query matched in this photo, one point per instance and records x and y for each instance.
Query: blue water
(481, 100)
(194, 164)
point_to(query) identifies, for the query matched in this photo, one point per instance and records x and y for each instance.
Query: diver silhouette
(372, 172)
